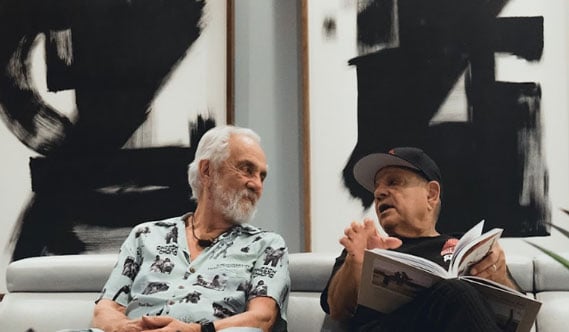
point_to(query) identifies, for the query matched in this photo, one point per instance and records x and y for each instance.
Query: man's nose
(255, 184)
(380, 191)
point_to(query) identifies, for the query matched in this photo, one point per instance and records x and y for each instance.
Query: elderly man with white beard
(216, 260)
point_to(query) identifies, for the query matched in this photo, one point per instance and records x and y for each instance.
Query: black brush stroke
(483, 159)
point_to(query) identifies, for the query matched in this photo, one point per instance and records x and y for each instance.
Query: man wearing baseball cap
(407, 188)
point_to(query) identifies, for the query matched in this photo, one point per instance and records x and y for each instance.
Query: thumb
(155, 321)
(392, 242)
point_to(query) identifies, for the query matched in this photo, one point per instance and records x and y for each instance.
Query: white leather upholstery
(56, 292)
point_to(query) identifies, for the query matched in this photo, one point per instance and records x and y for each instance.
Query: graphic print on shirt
(284, 296)
(224, 242)
(260, 289)
(245, 287)
(217, 283)
(164, 224)
(247, 248)
(193, 297)
(124, 289)
(155, 287)
(172, 236)
(162, 265)
(448, 249)
(273, 256)
(141, 230)
(221, 311)
(130, 267)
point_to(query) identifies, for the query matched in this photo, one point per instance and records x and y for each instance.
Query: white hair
(214, 146)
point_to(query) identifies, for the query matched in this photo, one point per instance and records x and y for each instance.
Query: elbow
(340, 315)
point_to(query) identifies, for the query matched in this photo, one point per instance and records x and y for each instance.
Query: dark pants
(450, 305)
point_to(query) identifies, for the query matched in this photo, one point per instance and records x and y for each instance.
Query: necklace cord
(201, 242)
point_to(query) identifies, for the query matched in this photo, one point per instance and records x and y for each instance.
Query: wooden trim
(306, 127)
(230, 62)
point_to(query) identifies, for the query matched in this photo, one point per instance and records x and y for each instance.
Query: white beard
(233, 204)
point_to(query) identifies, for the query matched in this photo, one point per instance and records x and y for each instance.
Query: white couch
(55, 292)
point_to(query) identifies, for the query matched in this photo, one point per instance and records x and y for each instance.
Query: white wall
(267, 100)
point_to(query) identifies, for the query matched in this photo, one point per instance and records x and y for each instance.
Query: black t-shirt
(438, 249)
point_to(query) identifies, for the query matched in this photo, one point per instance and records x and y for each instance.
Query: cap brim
(367, 167)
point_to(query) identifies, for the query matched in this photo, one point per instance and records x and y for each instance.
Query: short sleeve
(118, 286)
(270, 272)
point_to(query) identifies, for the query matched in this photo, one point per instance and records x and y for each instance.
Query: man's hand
(344, 286)
(134, 325)
(494, 267)
(360, 236)
(167, 324)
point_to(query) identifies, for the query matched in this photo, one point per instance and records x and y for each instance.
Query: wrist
(354, 259)
(208, 327)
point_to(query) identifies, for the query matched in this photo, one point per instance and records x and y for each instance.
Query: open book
(391, 279)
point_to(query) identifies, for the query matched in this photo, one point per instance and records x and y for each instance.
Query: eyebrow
(251, 164)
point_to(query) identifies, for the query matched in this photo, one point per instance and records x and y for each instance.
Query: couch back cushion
(70, 273)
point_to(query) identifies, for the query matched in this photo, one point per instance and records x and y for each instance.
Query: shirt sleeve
(270, 273)
(118, 286)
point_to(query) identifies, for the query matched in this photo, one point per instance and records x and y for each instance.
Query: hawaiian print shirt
(155, 276)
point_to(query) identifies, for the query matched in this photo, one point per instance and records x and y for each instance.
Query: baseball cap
(367, 167)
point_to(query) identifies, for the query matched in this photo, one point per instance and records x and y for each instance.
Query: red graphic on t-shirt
(448, 247)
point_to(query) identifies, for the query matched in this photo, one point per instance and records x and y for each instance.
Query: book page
(387, 283)
(469, 236)
(415, 261)
(473, 252)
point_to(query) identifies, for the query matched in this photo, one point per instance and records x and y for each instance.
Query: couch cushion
(46, 312)
(550, 275)
(71, 273)
(310, 271)
(305, 314)
(552, 316)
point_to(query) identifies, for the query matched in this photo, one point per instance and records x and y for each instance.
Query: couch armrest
(522, 269)
(550, 275)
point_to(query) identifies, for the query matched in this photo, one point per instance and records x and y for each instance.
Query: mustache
(245, 193)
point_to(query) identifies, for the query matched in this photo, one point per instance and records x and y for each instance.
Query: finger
(369, 224)
(486, 267)
(392, 242)
(344, 241)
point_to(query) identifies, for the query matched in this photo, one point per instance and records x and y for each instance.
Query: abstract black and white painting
(102, 103)
(436, 75)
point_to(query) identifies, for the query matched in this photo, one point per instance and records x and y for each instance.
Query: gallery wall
(335, 129)
(268, 90)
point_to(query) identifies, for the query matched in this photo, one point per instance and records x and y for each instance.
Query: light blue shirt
(155, 276)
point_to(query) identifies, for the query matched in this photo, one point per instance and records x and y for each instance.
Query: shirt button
(192, 270)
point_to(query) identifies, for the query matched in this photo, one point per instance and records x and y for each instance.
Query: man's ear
(205, 170)
(433, 193)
